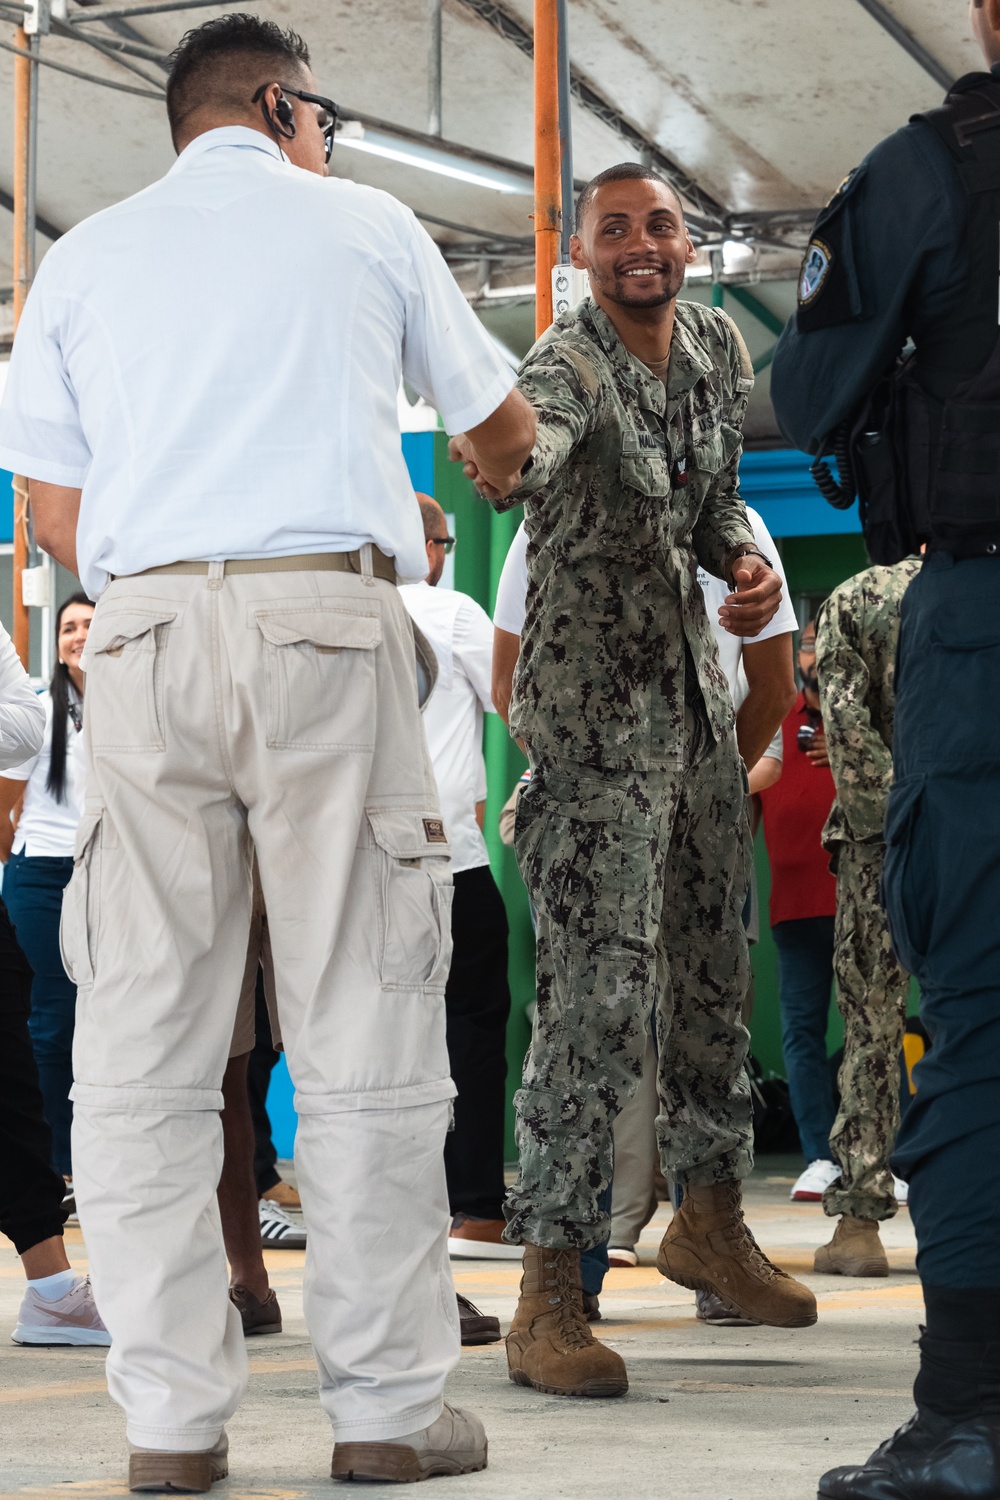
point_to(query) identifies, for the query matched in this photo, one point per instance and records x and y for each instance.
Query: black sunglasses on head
(327, 118)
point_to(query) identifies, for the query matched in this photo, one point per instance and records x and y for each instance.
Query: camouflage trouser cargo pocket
(568, 841)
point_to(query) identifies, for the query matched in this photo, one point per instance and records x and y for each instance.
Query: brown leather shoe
(708, 1247)
(258, 1316)
(855, 1250)
(477, 1327)
(550, 1345)
(480, 1239)
(283, 1193)
(150, 1469)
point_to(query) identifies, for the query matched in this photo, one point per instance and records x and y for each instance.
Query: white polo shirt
(513, 587)
(216, 360)
(462, 637)
(47, 827)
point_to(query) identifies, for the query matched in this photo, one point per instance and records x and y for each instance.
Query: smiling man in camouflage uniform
(856, 635)
(632, 836)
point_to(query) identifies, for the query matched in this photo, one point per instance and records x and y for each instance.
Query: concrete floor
(755, 1414)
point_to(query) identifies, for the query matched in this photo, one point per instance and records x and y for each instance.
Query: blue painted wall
(6, 506)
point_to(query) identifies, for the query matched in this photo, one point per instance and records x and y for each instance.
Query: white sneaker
(621, 1256)
(277, 1231)
(814, 1181)
(72, 1319)
(901, 1191)
(454, 1444)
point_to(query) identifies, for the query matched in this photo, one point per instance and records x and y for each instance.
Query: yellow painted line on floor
(58, 1390)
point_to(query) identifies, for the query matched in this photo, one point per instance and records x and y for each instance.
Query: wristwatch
(746, 550)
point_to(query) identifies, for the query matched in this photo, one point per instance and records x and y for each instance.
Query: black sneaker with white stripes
(277, 1230)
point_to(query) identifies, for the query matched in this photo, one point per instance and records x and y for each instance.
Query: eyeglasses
(447, 542)
(326, 119)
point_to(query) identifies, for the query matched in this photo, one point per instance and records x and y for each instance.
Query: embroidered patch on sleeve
(815, 269)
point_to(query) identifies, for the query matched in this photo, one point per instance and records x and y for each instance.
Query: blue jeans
(33, 890)
(805, 980)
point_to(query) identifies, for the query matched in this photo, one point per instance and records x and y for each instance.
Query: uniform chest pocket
(125, 660)
(319, 677)
(714, 449)
(646, 472)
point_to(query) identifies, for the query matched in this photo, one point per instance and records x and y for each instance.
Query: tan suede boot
(855, 1250)
(709, 1248)
(550, 1345)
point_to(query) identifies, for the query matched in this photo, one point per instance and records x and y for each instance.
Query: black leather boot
(950, 1450)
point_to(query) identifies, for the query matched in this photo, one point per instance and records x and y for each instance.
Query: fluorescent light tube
(430, 159)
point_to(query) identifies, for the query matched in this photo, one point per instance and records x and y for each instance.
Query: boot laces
(565, 1295)
(742, 1242)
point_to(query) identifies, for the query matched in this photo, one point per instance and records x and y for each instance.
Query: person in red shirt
(803, 906)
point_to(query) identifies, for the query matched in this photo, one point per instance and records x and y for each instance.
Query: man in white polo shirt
(214, 363)
(477, 998)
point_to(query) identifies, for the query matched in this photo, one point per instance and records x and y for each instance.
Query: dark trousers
(941, 886)
(805, 978)
(33, 891)
(31, 1193)
(477, 1004)
(259, 1069)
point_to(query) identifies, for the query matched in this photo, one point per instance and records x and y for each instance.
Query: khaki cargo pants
(274, 711)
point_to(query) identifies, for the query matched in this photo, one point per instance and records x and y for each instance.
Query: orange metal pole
(20, 627)
(547, 174)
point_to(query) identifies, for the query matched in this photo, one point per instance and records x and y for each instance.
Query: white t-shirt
(216, 362)
(462, 637)
(513, 589)
(22, 712)
(47, 827)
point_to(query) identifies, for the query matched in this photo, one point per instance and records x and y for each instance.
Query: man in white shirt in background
(477, 998)
(761, 680)
(203, 394)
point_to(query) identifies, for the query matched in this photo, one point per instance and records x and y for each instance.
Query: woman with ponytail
(39, 813)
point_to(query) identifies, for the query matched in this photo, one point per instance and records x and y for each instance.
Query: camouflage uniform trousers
(872, 989)
(639, 880)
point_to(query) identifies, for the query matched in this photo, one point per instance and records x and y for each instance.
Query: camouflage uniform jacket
(631, 484)
(856, 635)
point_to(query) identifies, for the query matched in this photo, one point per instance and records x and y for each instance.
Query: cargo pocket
(568, 841)
(78, 925)
(319, 677)
(907, 880)
(124, 661)
(413, 899)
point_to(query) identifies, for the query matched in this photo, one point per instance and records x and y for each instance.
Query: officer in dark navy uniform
(909, 249)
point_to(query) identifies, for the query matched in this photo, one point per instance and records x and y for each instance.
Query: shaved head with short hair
(217, 68)
(625, 171)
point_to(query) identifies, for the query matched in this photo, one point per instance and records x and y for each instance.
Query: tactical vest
(924, 450)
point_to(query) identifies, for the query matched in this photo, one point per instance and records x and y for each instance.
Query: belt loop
(216, 574)
(367, 573)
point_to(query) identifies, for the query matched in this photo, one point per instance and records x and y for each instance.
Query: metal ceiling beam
(706, 207)
(43, 225)
(905, 39)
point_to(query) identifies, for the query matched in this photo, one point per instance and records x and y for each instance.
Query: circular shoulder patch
(816, 265)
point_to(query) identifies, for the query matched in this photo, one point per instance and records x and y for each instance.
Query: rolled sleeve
(552, 384)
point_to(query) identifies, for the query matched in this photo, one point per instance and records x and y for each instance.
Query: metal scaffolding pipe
(25, 147)
(123, 12)
(434, 125)
(565, 135)
(547, 165)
